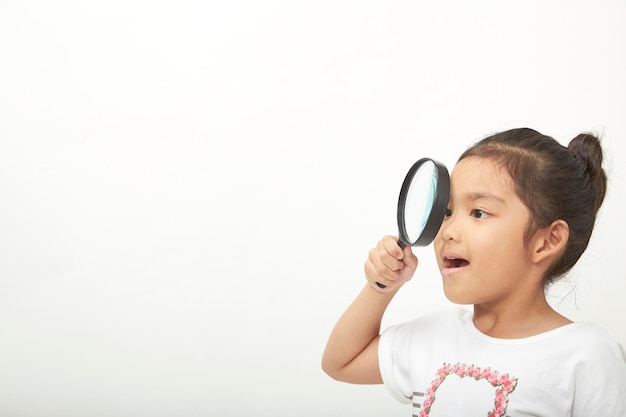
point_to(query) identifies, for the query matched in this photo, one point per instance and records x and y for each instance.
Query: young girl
(521, 211)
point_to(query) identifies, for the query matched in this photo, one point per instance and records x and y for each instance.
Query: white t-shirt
(444, 366)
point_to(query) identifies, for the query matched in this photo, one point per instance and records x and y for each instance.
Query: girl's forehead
(479, 175)
(477, 165)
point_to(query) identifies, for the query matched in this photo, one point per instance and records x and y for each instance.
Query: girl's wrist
(389, 291)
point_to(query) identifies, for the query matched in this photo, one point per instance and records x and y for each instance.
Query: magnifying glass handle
(402, 246)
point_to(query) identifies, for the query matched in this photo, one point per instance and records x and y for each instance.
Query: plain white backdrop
(188, 189)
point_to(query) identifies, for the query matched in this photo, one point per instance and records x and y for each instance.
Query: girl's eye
(479, 214)
(448, 212)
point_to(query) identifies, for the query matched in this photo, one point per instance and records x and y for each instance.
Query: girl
(521, 212)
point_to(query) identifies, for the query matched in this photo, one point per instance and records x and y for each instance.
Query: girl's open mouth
(450, 263)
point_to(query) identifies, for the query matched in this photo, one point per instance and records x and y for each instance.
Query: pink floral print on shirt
(504, 385)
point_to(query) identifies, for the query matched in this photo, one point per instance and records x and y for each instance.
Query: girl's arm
(351, 353)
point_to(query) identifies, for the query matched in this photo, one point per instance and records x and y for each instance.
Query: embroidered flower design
(504, 385)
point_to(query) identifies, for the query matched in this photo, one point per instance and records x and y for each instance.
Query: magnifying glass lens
(422, 203)
(419, 200)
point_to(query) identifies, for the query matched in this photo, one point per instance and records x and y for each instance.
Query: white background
(188, 189)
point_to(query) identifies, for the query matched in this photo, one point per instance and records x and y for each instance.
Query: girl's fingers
(390, 245)
(379, 268)
(389, 264)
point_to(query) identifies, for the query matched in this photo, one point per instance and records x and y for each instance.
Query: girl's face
(480, 247)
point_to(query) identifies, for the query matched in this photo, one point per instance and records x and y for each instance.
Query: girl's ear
(550, 242)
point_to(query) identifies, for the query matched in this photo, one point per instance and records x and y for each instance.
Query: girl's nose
(448, 231)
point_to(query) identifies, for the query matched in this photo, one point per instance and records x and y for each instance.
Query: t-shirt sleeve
(394, 373)
(402, 353)
(602, 380)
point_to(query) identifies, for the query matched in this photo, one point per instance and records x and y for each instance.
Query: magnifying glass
(422, 203)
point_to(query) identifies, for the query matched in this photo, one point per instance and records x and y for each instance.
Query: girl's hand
(389, 265)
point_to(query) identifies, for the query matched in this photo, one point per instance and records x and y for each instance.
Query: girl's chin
(457, 295)
(460, 300)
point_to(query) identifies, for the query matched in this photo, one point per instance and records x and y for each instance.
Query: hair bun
(586, 147)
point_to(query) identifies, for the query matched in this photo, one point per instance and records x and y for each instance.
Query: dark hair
(555, 183)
